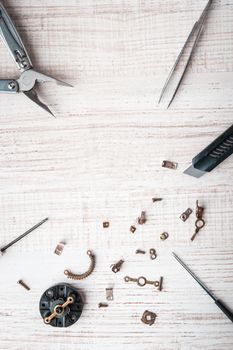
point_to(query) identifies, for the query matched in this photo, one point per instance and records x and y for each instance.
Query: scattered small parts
(59, 248)
(116, 267)
(109, 294)
(21, 282)
(169, 165)
(101, 305)
(133, 229)
(199, 223)
(106, 224)
(139, 251)
(142, 281)
(84, 275)
(153, 254)
(156, 199)
(164, 236)
(142, 219)
(185, 215)
(148, 317)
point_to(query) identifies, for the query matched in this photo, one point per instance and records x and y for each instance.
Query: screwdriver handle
(224, 309)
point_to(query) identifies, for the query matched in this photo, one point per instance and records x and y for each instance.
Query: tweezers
(196, 33)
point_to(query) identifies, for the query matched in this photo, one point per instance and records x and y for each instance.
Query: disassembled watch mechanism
(61, 305)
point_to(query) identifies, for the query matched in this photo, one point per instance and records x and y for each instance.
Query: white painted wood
(101, 159)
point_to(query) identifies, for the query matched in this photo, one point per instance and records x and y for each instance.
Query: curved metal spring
(84, 275)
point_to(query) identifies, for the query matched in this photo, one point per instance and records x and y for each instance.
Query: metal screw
(156, 200)
(12, 85)
(139, 251)
(23, 285)
(103, 305)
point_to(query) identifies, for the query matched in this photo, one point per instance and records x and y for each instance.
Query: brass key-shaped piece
(142, 281)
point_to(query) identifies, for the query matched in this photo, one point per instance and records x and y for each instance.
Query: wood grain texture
(100, 159)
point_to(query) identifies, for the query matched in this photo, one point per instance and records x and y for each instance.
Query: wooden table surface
(100, 159)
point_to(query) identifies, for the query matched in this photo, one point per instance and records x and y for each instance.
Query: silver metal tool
(29, 76)
(195, 33)
(218, 302)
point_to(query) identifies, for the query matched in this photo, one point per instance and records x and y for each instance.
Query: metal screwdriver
(2, 250)
(218, 302)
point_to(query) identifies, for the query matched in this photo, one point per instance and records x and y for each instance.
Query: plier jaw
(29, 76)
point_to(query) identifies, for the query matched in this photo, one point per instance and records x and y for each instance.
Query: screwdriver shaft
(23, 235)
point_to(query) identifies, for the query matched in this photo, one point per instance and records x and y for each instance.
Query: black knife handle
(224, 309)
(215, 153)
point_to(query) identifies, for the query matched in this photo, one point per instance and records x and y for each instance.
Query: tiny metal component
(142, 219)
(74, 276)
(61, 305)
(185, 215)
(160, 284)
(139, 251)
(59, 310)
(199, 211)
(169, 165)
(148, 317)
(142, 281)
(199, 223)
(106, 224)
(22, 236)
(59, 248)
(102, 305)
(156, 199)
(116, 267)
(153, 254)
(133, 229)
(164, 236)
(109, 294)
(23, 284)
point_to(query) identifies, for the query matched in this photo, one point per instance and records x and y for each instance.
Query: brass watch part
(55, 313)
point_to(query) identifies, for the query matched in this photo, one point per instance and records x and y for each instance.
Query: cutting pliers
(28, 75)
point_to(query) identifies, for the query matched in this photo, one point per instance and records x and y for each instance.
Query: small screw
(157, 200)
(23, 285)
(102, 305)
(12, 85)
(106, 224)
(139, 251)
